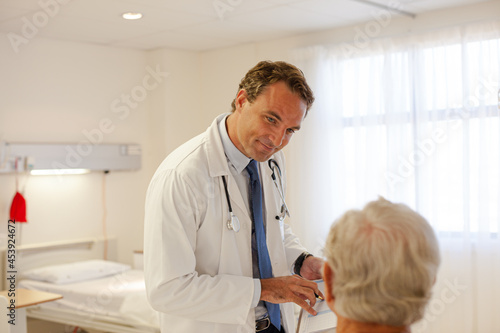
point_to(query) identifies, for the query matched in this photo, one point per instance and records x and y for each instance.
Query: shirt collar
(238, 160)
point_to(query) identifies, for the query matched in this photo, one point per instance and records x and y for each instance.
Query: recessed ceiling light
(131, 16)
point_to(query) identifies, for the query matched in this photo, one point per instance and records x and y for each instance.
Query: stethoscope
(233, 223)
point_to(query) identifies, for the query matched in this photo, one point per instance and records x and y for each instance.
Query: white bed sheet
(119, 297)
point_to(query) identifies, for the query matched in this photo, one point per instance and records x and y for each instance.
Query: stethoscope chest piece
(233, 223)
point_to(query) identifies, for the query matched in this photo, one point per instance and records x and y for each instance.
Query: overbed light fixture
(54, 172)
(132, 16)
(67, 158)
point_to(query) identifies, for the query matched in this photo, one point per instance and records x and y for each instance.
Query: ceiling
(194, 25)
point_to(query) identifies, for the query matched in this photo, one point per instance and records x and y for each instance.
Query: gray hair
(384, 260)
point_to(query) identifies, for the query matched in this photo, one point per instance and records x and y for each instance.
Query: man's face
(264, 127)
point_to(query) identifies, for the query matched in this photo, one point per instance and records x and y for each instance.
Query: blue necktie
(265, 268)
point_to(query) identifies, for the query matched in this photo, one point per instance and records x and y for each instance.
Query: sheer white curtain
(416, 120)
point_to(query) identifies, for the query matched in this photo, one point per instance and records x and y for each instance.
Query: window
(440, 105)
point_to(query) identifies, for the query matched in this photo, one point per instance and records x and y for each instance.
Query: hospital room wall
(227, 66)
(57, 91)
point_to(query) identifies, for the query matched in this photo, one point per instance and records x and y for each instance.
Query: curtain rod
(375, 4)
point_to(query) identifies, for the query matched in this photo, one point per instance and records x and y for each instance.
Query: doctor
(204, 273)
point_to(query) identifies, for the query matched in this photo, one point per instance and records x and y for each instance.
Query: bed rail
(71, 244)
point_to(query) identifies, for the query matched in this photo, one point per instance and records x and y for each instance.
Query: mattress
(119, 297)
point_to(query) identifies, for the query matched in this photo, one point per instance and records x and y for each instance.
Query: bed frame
(43, 254)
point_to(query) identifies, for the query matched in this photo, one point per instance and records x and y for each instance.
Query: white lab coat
(198, 272)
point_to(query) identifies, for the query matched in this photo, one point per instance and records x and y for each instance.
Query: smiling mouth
(266, 147)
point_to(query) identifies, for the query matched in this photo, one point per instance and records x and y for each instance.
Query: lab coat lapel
(274, 230)
(236, 247)
(239, 207)
(217, 163)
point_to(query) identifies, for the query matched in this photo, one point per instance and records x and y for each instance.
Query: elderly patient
(381, 264)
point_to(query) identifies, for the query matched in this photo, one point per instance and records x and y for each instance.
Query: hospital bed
(97, 295)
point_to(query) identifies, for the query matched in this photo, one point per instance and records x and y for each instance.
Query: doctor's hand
(312, 268)
(286, 289)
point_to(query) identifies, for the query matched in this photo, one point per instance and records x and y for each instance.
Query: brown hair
(268, 72)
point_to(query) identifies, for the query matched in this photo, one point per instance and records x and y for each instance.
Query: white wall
(176, 112)
(55, 91)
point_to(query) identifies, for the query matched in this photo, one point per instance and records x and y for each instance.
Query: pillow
(75, 272)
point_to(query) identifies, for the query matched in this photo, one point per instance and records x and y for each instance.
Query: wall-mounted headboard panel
(61, 252)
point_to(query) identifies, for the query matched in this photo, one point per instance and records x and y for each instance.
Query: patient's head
(381, 264)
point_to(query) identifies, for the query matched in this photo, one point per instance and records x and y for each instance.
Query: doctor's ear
(241, 99)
